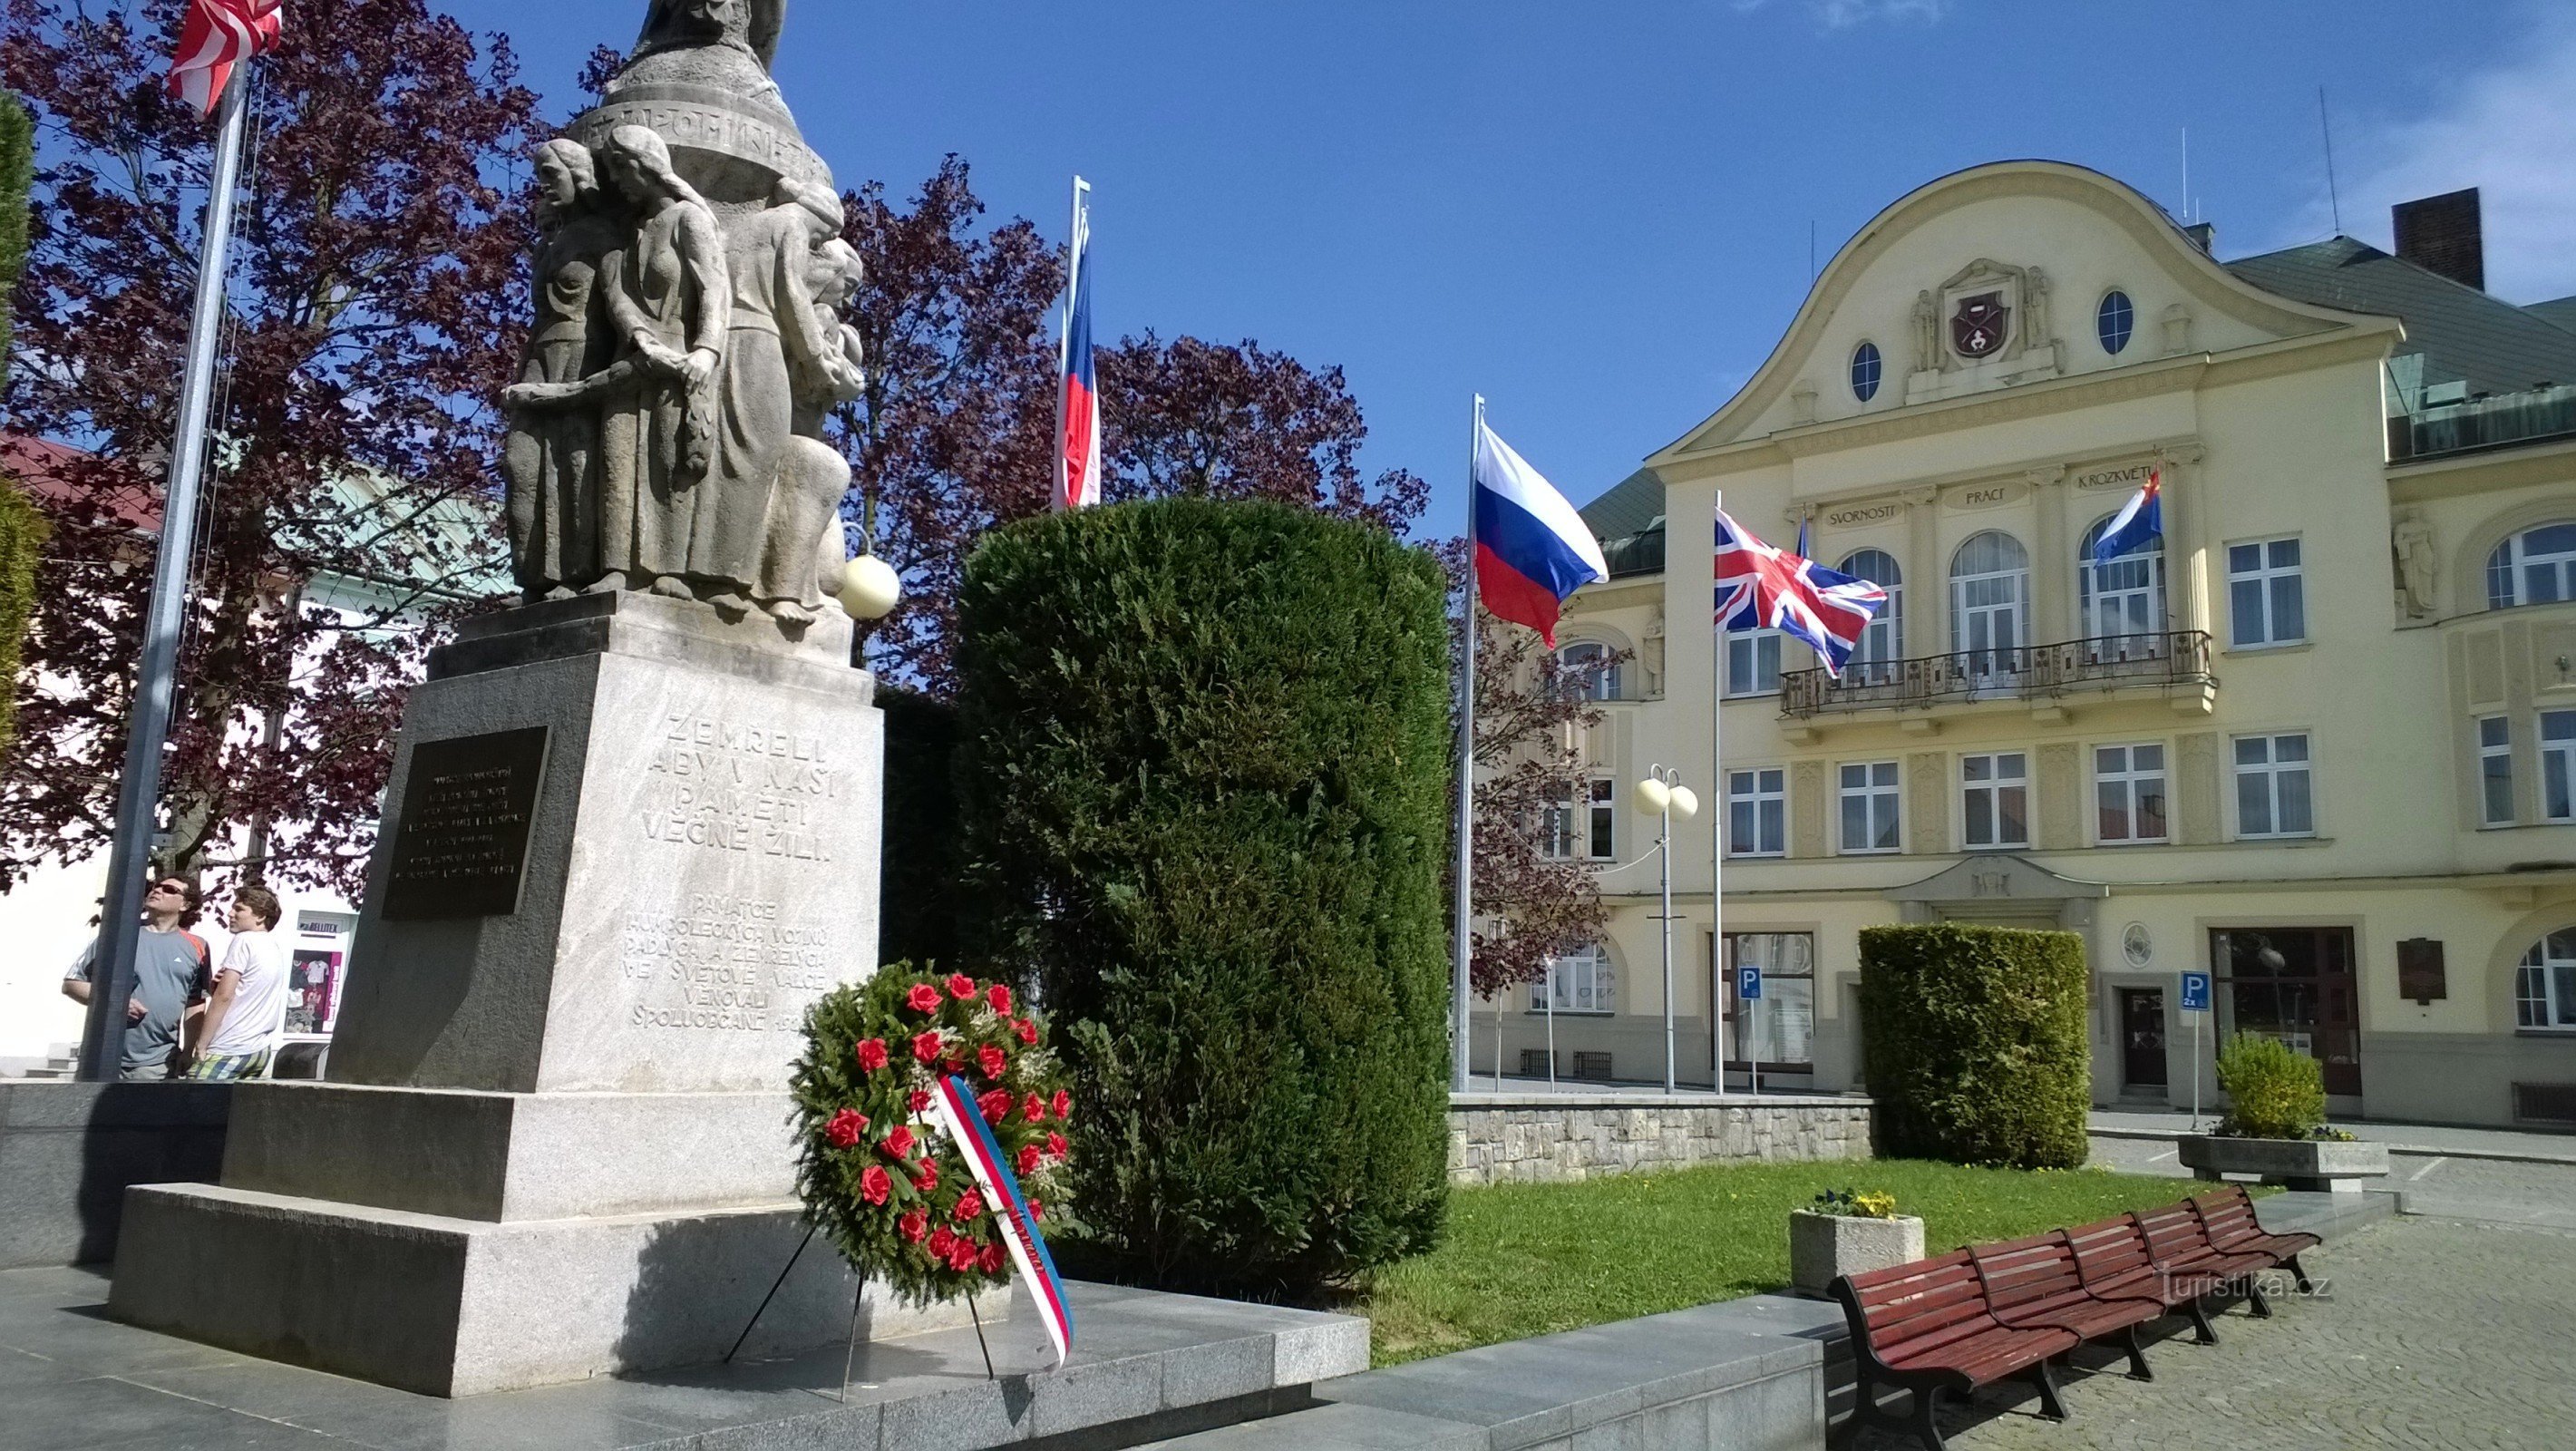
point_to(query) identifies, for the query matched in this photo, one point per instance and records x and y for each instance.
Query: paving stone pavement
(2431, 1334)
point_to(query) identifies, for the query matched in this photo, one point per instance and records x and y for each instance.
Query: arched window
(1578, 982)
(1586, 671)
(2534, 567)
(1882, 645)
(2544, 987)
(1990, 606)
(1865, 366)
(2114, 320)
(2123, 602)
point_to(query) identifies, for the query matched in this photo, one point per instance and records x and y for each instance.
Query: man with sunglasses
(172, 971)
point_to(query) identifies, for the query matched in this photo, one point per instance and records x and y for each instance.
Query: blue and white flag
(2130, 529)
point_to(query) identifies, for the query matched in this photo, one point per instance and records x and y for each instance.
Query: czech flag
(2130, 529)
(1077, 454)
(216, 36)
(1532, 550)
(1010, 1208)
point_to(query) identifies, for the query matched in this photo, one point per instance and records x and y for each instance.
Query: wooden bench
(2227, 1217)
(2179, 1245)
(2112, 1256)
(1926, 1328)
(2037, 1283)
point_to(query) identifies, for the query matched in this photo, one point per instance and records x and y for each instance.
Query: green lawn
(1531, 1259)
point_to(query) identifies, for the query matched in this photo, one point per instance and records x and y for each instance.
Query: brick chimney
(2442, 234)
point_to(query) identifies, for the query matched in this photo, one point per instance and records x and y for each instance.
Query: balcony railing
(2175, 657)
(2492, 422)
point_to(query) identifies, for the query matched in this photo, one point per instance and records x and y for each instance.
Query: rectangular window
(1869, 806)
(2272, 796)
(1757, 812)
(1780, 1025)
(1578, 982)
(2129, 793)
(1997, 799)
(2495, 770)
(2266, 603)
(1556, 823)
(1753, 662)
(2558, 765)
(1602, 843)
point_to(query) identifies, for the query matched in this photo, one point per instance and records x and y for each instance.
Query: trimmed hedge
(917, 867)
(2273, 1090)
(1975, 1043)
(1203, 769)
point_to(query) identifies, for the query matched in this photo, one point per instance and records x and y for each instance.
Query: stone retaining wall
(1505, 1138)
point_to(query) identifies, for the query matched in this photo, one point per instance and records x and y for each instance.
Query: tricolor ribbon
(216, 36)
(965, 1123)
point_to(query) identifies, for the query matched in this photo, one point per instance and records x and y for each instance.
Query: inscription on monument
(723, 786)
(462, 847)
(727, 962)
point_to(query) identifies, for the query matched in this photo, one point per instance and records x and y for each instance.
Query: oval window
(1864, 372)
(2114, 320)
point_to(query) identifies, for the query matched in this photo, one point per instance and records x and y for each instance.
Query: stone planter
(2316, 1164)
(1823, 1246)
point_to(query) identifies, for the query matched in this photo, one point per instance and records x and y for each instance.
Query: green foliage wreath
(874, 1168)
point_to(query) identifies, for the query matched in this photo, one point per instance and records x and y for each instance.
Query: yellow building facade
(2319, 741)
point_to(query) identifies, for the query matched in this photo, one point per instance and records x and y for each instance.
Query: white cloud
(2509, 131)
(1844, 14)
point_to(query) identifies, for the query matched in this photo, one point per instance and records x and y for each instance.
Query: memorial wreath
(877, 1172)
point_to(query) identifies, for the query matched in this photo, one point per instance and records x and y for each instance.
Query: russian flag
(2130, 529)
(964, 1121)
(1532, 549)
(1077, 455)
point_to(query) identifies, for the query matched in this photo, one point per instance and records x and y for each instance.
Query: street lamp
(1663, 796)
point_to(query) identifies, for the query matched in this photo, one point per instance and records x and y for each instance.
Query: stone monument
(632, 828)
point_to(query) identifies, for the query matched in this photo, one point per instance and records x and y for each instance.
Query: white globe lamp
(1651, 797)
(869, 588)
(1685, 803)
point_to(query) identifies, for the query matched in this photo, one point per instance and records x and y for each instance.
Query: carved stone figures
(666, 428)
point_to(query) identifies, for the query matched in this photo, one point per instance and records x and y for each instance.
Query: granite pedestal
(556, 1139)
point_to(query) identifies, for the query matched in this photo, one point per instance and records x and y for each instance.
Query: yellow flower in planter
(1877, 1204)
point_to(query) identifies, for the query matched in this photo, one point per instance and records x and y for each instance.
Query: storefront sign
(462, 844)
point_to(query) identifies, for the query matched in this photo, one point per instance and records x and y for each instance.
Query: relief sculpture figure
(751, 25)
(671, 307)
(551, 458)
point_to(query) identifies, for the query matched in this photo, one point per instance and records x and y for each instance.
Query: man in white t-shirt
(240, 1024)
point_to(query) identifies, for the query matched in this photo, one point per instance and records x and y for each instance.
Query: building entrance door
(2142, 1037)
(2295, 984)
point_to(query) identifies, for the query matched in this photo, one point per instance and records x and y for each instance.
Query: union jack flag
(1763, 587)
(215, 36)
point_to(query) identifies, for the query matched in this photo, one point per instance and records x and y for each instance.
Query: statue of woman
(551, 457)
(671, 309)
(804, 549)
(751, 25)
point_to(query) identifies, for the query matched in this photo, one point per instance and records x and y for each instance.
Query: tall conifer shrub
(1975, 1043)
(1203, 771)
(22, 529)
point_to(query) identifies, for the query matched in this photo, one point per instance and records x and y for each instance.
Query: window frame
(2266, 578)
(2554, 976)
(2102, 321)
(1753, 641)
(1594, 959)
(2090, 592)
(2557, 766)
(1994, 787)
(1601, 824)
(1866, 353)
(1773, 1007)
(1777, 797)
(2129, 777)
(1873, 792)
(1867, 666)
(2272, 768)
(2020, 574)
(1573, 822)
(1600, 682)
(2491, 754)
(2509, 564)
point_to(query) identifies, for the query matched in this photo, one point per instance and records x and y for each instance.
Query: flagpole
(139, 787)
(1460, 907)
(1717, 980)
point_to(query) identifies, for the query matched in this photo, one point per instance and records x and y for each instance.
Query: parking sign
(2195, 992)
(1748, 983)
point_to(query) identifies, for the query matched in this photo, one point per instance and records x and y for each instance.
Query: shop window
(1780, 1026)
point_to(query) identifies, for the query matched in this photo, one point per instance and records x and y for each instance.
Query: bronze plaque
(462, 846)
(2419, 970)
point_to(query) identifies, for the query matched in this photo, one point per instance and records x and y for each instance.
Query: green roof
(1629, 522)
(2463, 334)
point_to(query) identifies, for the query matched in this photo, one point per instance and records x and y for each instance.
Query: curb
(2420, 1151)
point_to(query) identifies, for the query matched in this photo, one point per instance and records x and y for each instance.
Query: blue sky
(1597, 212)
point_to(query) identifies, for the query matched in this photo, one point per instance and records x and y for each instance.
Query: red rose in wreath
(845, 1128)
(878, 1171)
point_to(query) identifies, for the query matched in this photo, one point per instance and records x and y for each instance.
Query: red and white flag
(1077, 451)
(218, 35)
